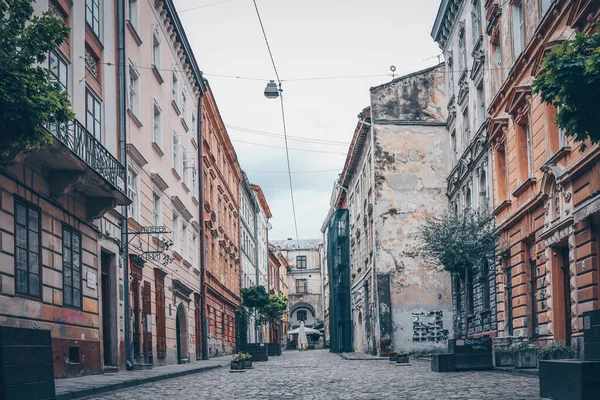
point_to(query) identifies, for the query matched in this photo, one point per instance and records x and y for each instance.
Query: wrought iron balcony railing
(89, 149)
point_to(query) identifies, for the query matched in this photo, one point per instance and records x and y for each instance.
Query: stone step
(142, 366)
(108, 369)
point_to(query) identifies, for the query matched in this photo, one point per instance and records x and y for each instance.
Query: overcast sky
(309, 39)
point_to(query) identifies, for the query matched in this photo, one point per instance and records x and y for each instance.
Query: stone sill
(134, 33)
(502, 206)
(157, 74)
(134, 117)
(176, 107)
(157, 148)
(524, 186)
(562, 152)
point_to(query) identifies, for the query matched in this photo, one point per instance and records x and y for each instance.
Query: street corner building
(393, 179)
(222, 177)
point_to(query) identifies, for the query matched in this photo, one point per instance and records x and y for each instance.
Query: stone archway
(181, 327)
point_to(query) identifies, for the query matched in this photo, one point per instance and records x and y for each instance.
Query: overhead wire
(203, 6)
(290, 148)
(294, 138)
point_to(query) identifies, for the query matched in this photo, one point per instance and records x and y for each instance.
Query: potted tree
(524, 356)
(237, 364)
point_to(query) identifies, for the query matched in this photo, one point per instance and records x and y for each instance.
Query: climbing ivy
(570, 79)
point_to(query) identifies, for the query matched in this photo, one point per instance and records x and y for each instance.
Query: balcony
(76, 161)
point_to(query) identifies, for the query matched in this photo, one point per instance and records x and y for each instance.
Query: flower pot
(504, 359)
(526, 358)
(402, 359)
(237, 365)
(247, 364)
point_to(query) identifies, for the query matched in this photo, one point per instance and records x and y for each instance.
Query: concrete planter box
(402, 359)
(258, 351)
(237, 365)
(570, 379)
(504, 359)
(274, 349)
(526, 358)
(247, 364)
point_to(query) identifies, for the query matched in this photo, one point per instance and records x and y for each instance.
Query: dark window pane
(21, 281)
(33, 242)
(76, 279)
(76, 298)
(68, 299)
(34, 264)
(67, 275)
(76, 261)
(67, 257)
(21, 237)
(76, 242)
(21, 215)
(21, 259)
(66, 238)
(33, 220)
(34, 284)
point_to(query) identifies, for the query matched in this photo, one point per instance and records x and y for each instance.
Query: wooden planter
(504, 359)
(525, 358)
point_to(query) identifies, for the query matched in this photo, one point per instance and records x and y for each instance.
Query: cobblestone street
(321, 375)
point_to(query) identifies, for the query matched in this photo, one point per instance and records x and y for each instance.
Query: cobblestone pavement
(320, 375)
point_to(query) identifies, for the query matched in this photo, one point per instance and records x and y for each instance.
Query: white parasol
(302, 340)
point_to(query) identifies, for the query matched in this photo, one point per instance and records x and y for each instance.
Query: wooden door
(161, 336)
(147, 319)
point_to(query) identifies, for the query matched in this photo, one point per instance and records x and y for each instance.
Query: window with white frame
(193, 127)
(518, 28)
(186, 168)
(133, 194)
(194, 182)
(176, 232)
(176, 156)
(195, 251)
(156, 209)
(134, 89)
(134, 13)
(545, 6)
(59, 69)
(175, 87)
(157, 124)
(92, 15)
(155, 49)
(183, 106)
(184, 241)
(93, 115)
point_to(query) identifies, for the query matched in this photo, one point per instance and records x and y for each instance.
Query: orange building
(546, 191)
(222, 276)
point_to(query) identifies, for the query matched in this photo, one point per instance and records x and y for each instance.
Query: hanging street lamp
(271, 91)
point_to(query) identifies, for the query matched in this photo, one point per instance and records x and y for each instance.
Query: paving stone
(318, 374)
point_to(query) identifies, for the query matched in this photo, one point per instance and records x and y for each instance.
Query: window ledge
(187, 263)
(176, 107)
(134, 33)
(157, 148)
(194, 143)
(176, 254)
(196, 270)
(195, 200)
(185, 187)
(185, 125)
(562, 152)
(529, 182)
(157, 74)
(134, 117)
(502, 206)
(174, 171)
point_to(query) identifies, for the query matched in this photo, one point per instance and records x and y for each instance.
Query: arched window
(482, 189)
(468, 198)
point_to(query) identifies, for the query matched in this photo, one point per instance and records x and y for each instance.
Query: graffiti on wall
(429, 327)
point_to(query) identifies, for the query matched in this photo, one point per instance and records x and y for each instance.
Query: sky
(309, 39)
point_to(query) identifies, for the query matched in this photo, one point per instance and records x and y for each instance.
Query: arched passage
(302, 312)
(181, 327)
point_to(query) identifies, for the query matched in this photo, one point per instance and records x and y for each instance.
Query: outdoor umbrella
(302, 340)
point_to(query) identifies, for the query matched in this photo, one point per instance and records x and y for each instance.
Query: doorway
(181, 332)
(561, 277)
(105, 262)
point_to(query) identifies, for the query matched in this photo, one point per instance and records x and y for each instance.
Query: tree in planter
(459, 241)
(273, 310)
(28, 94)
(241, 328)
(254, 298)
(570, 78)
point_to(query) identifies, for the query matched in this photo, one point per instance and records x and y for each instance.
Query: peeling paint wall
(411, 163)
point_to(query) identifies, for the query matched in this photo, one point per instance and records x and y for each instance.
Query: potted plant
(237, 364)
(556, 352)
(524, 356)
(401, 357)
(504, 357)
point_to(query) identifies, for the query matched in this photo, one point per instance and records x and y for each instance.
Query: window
(485, 280)
(183, 106)
(529, 149)
(176, 159)
(156, 210)
(156, 49)
(193, 127)
(453, 145)
(462, 59)
(531, 261)
(134, 11)
(92, 15)
(184, 241)
(482, 189)
(71, 267)
(301, 262)
(195, 251)
(468, 198)
(501, 175)
(156, 124)
(27, 249)
(58, 69)
(480, 104)
(509, 308)
(524, 149)
(93, 115)
(466, 128)
(545, 6)
(470, 299)
(195, 183)
(476, 19)
(301, 315)
(134, 89)
(175, 87)
(176, 232)
(133, 194)
(518, 29)
(301, 286)
(188, 162)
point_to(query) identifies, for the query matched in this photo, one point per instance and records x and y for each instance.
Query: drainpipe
(203, 318)
(122, 89)
(257, 328)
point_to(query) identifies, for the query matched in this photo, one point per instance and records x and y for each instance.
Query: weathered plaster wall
(411, 165)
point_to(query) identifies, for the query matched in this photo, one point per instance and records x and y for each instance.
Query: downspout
(122, 102)
(203, 318)
(257, 327)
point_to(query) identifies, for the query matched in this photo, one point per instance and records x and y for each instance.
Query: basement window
(73, 355)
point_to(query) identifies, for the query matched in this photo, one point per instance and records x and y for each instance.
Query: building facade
(304, 281)
(545, 188)
(60, 234)
(459, 30)
(249, 249)
(262, 238)
(223, 273)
